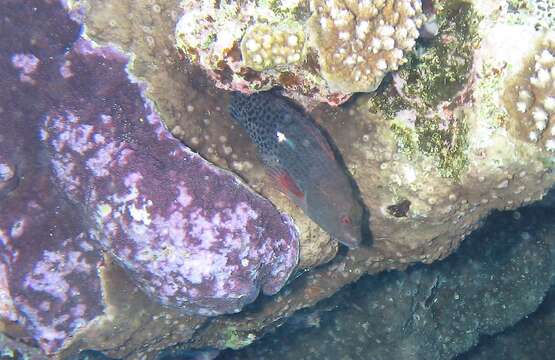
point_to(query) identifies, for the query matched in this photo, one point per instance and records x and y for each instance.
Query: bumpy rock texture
(500, 275)
(190, 234)
(75, 127)
(532, 338)
(316, 50)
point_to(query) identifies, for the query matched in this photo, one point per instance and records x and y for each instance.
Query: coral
(264, 47)
(317, 51)
(532, 99)
(98, 173)
(359, 42)
(203, 244)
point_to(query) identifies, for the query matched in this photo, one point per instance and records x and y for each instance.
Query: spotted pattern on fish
(301, 162)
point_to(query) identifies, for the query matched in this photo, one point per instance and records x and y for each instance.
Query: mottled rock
(531, 338)
(191, 235)
(49, 283)
(500, 274)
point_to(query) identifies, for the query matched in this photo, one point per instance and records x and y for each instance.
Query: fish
(301, 162)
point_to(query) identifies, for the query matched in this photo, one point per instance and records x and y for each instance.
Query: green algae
(278, 8)
(387, 104)
(442, 70)
(407, 141)
(234, 339)
(447, 143)
(436, 76)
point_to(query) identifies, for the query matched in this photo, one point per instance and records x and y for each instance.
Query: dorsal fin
(316, 134)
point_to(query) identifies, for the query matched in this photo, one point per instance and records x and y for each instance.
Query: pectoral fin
(285, 183)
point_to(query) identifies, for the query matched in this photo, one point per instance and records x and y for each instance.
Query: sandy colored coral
(532, 100)
(266, 47)
(358, 42)
(317, 51)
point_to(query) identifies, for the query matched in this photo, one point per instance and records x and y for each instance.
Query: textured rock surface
(316, 50)
(498, 276)
(190, 234)
(48, 267)
(532, 338)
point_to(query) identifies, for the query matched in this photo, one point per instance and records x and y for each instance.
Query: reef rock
(531, 338)
(500, 275)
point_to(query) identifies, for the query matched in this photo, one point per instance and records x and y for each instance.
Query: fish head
(341, 216)
(350, 226)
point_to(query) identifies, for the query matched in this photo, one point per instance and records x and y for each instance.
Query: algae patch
(432, 79)
(442, 70)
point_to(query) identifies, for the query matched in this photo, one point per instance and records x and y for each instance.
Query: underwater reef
(458, 126)
(316, 50)
(500, 275)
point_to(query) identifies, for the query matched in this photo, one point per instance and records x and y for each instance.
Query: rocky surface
(532, 338)
(500, 275)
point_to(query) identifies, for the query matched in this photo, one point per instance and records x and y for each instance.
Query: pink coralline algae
(87, 165)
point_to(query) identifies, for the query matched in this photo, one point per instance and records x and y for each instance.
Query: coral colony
(317, 51)
(97, 170)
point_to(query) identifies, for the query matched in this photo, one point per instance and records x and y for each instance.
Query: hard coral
(358, 42)
(264, 47)
(534, 109)
(317, 51)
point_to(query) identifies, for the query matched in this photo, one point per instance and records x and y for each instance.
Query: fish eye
(346, 220)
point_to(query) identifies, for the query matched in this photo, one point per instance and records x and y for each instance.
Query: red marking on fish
(301, 162)
(285, 183)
